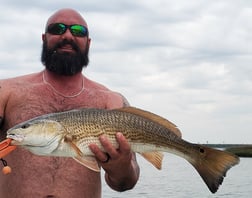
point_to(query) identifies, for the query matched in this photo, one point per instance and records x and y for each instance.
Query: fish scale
(133, 127)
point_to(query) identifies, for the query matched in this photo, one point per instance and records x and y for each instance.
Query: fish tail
(213, 165)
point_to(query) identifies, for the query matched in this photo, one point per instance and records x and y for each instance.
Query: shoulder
(113, 99)
(14, 81)
(8, 87)
(15, 84)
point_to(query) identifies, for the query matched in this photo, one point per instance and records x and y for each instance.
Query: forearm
(1, 128)
(1, 121)
(126, 179)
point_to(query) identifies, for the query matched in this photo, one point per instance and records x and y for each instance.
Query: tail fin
(213, 166)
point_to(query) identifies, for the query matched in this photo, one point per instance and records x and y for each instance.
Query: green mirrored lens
(78, 30)
(56, 28)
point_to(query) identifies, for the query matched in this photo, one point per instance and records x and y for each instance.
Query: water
(178, 179)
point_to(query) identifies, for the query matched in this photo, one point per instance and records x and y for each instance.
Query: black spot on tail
(202, 150)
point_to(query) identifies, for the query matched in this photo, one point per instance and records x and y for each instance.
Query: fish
(69, 134)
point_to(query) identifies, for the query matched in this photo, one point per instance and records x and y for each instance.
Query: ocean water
(178, 179)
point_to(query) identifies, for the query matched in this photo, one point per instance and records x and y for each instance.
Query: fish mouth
(16, 139)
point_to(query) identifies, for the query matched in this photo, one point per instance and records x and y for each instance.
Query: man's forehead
(67, 16)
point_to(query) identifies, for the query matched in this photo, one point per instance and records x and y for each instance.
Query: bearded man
(59, 87)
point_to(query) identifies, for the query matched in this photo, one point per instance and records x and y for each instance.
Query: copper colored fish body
(69, 133)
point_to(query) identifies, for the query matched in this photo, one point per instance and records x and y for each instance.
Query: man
(60, 87)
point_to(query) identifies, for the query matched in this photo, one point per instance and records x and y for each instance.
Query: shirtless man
(60, 87)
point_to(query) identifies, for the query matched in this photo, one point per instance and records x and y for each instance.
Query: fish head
(40, 136)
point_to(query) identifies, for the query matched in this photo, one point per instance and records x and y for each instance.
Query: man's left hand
(120, 164)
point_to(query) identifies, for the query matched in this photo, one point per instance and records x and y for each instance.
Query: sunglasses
(61, 28)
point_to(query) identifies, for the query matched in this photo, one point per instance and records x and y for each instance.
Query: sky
(188, 61)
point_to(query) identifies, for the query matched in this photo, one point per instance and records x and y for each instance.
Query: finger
(124, 145)
(107, 160)
(99, 154)
(108, 146)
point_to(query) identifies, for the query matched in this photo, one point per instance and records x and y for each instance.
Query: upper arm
(1, 121)
(3, 101)
(124, 101)
(116, 100)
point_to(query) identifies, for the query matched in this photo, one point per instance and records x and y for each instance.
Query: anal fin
(155, 158)
(89, 162)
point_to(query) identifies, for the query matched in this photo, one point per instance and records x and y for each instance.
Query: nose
(67, 35)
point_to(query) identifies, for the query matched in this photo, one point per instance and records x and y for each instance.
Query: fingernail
(119, 134)
(102, 137)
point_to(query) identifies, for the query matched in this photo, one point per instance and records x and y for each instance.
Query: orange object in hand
(6, 148)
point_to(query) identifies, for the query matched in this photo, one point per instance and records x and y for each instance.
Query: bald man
(59, 87)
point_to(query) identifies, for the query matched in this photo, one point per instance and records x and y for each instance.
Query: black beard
(64, 63)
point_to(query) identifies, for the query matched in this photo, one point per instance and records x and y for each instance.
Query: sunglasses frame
(63, 28)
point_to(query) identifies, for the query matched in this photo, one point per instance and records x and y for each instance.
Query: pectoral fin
(87, 161)
(155, 158)
(69, 140)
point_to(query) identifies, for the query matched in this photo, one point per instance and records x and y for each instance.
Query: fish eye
(25, 126)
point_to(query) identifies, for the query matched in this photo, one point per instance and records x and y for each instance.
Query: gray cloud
(186, 60)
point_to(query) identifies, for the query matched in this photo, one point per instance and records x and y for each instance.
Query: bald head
(65, 48)
(67, 16)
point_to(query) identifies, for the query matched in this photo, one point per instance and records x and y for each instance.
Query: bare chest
(27, 103)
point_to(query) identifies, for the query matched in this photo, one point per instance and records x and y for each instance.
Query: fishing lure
(5, 149)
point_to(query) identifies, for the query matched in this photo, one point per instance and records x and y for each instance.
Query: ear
(89, 42)
(43, 37)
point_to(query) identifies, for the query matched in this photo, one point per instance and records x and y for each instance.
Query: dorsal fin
(151, 116)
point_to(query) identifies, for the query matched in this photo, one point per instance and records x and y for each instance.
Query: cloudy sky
(188, 61)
